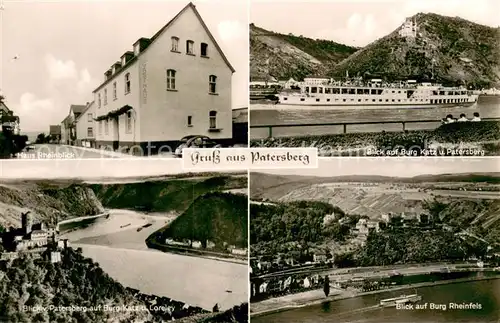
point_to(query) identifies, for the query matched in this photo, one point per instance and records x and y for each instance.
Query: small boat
(139, 229)
(229, 291)
(125, 225)
(147, 225)
(403, 299)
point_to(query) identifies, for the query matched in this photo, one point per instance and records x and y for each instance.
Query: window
(105, 96)
(99, 100)
(129, 121)
(212, 84)
(106, 127)
(213, 119)
(90, 117)
(175, 44)
(90, 132)
(190, 121)
(204, 49)
(127, 83)
(170, 80)
(114, 91)
(190, 47)
(100, 127)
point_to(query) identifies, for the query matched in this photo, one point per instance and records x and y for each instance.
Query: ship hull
(286, 106)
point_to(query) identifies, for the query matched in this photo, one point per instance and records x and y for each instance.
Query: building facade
(55, 133)
(8, 120)
(85, 127)
(65, 131)
(175, 84)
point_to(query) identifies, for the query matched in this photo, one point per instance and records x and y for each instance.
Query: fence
(344, 127)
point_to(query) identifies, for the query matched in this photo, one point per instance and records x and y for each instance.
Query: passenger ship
(377, 95)
(403, 299)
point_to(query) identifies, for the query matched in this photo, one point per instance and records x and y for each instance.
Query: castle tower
(27, 222)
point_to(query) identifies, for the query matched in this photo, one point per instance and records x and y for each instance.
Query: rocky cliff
(47, 203)
(284, 56)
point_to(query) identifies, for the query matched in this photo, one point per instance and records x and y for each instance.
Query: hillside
(274, 187)
(450, 48)
(217, 217)
(46, 203)
(300, 227)
(284, 56)
(163, 196)
(76, 281)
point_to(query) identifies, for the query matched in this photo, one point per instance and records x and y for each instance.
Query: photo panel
(122, 79)
(133, 240)
(376, 240)
(376, 78)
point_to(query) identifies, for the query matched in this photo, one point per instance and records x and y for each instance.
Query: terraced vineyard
(362, 201)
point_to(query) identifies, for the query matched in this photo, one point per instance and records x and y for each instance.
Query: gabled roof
(155, 36)
(77, 108)
(85, 110)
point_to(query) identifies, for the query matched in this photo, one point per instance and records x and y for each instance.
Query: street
(51, 151)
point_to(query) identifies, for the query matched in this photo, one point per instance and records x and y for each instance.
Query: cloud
(231, 30)
(66, 85)
(60, 70)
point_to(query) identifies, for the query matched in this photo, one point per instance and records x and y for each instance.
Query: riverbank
(481, 137)
(218, 256)
(316, 297)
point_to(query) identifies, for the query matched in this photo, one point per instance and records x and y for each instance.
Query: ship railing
(344, 127)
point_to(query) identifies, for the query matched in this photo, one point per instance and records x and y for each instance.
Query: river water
(121, 252)
(364, 309)
(262, 114)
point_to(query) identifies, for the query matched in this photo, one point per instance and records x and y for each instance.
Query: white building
(85, 130)
(408, 29)
(68, 125)
(174, 84)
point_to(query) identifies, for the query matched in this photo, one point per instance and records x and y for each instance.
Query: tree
(326, 286)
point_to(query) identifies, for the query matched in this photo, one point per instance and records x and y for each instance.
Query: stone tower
(27, 222)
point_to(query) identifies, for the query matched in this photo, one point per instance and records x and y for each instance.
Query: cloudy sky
(65, 46)
(397, 167)
(358, 23)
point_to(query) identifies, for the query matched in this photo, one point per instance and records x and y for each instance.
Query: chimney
(126, 57)
(140, 45)
(116, 67)
(107, 75)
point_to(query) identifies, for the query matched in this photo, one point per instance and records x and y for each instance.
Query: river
(262, 114)
(364, 309)
(121, 252)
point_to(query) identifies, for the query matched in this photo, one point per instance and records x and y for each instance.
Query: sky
(395, 167)
(65, 46)
(358, 23)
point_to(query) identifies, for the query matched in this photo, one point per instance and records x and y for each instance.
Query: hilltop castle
(409, 29)
(30, 235)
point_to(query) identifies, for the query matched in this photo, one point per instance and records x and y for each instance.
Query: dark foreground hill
(217, 217)
(451, 49)
(76, 281)
(285, 56)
